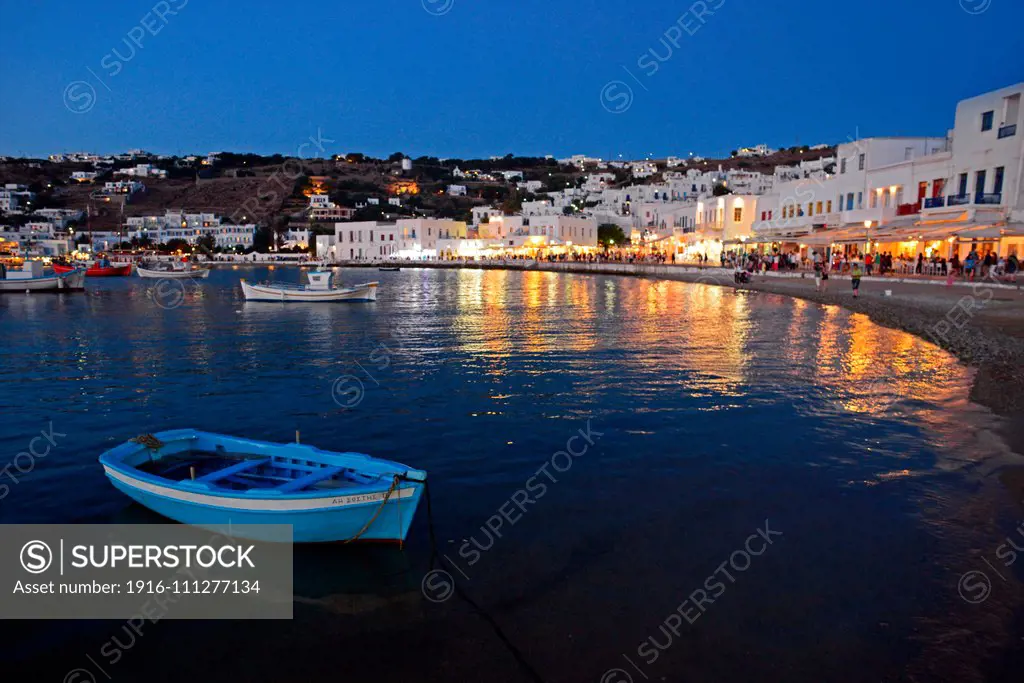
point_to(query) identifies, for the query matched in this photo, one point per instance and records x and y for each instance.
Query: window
(860, 162)
(963, 184)
(842, 165)
(763, 215)
(828, 207)
(938, 185)
(986, 120)
(818, 208)
(979, 182)
(849, 201)
(997, 186)
(810, 208)
(769, 215)
(737, 215)
(874, 199)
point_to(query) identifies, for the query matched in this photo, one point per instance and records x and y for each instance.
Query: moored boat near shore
(32, 279)
(318, 289)
(172, 273)
(101, 268)
(207, 479)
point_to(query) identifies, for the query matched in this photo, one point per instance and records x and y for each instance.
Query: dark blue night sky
(462, 78)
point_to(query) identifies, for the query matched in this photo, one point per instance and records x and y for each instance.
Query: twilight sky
(463, 78)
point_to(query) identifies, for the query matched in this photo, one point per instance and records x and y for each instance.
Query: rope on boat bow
(149, 441)
(394, 485)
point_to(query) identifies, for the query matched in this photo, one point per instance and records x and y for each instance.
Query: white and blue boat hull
(379, 511)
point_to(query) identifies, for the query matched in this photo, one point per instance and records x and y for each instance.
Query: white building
(362, 241)
(84, 176)
(60, 217)
(40, 239)
(321, 209)
(142, 171)
(190, 227)
(580, 161)
(643, 169)
(598, 181)
(457, 190)
(8, 201)
(756, 151)
(413, 238)
(125, 187)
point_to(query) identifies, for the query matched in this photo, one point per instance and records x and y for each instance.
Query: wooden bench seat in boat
(242, 466)
(309, 479)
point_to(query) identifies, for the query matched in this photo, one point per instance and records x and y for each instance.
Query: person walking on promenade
(855, 275)
(969, 264)
(818, 269)
(919, 268)
(824, 276)
(868, 262)
(1012, 266)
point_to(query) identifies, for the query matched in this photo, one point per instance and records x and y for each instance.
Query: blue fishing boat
(206, 479)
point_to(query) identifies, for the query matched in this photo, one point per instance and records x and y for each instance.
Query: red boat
(98, 269)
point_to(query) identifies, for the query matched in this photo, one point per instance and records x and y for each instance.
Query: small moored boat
(164, 271)
(206, 479)
(389, 269)
(318, 289)
(32, 279)
(101, 268)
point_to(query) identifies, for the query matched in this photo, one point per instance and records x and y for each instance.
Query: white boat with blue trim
(318, 289)
(206, 479)
(32, 278)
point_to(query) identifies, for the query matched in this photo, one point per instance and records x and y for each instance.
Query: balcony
(1007, 131)
(988, 198)
(908, 209)
(934, 202)
(958, 199)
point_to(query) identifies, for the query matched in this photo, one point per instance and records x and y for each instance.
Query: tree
(720, 189)
(261, 239)
(206, 243)
(609, 233)
(513, 204)
(177, 244)
(397, 156)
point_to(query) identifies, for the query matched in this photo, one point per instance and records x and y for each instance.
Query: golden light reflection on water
(701, 340)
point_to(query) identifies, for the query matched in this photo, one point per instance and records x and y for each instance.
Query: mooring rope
(515, 652)
(394, 485)
(149, 441)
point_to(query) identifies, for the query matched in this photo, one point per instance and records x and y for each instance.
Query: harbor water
(630, 479)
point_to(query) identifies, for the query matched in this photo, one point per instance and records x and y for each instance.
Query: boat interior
(246, 472)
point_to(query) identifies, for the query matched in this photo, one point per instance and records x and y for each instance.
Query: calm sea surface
(711, 415)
